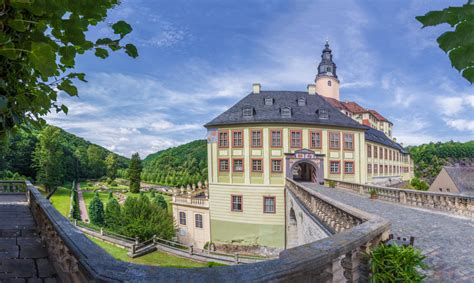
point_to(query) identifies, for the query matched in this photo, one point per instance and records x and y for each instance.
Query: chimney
(256, 88)
(311, 89)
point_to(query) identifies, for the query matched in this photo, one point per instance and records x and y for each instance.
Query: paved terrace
(23, 257)
(446, 240)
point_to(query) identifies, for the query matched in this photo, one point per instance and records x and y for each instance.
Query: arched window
(329, 83)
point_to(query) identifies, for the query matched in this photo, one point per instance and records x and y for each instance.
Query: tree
(96, 210)
(111, 165)
(96, 162)
(39, 44)
(458, 44)
(134, 173)
(47, 158)
(112, 214)
(161, 202)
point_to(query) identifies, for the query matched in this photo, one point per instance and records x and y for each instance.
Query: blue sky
(197, 58)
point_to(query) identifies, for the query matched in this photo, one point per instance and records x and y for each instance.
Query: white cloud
(461, 124)
(450, 106)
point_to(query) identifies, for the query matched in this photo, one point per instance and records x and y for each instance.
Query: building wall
(189, 234)
(327, 86)
(443, 184)
(387, 164)
(252, 225)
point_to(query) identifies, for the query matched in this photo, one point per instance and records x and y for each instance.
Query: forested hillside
(182, 165)
(73, 156)
(430, 158)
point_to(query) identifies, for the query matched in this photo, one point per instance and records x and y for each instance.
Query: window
(237, 140)
(349, 141)
(223, 139)
(276, 138)
(268, 101)
(224, 165)
(276, 166)
(369, 168)
(369, 150)
(182, 218)
(390, 155)
(257, 165)
(236, 203)
(334, 140)
(301, 101)
(386, 169)
(269, 205)
(381, 169)
(315, 138)
(247, 112)
(381, 153)
(334, 167)
(256, 138)
(348, 167)
(376, 169)
(286, 112)
(238, 165)
(198, 220)
(385, 155)
(322, 113)
(329, 83)
(376, 151)
(295, 138)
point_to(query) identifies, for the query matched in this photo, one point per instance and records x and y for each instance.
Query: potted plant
(373, 193)
(331, 184)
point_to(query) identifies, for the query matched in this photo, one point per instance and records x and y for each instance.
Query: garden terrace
(76, 258)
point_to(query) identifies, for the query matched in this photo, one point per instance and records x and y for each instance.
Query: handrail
(82, 260)
(447, 202)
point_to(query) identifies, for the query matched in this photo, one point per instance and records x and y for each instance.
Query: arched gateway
(305, 165)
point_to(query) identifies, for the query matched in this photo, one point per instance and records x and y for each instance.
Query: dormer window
(286, 112)
(247, 112)
(268, 101)
(301, 101)
(322, 113)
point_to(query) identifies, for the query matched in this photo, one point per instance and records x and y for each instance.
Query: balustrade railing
(334, 259)
(452, 203)
(191, 200)
(12, 187)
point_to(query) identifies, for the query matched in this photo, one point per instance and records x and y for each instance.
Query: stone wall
(331, 259)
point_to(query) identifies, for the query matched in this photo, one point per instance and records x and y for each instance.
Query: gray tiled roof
(377, 136)
(463, 178)
(271, 113)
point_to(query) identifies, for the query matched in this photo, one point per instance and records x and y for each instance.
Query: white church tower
(326, 80)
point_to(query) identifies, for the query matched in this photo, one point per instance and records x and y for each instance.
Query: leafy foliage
(177, 166)
(134, 172)
(396, 264)
(76, 212)
(39, 42)
(418, 184)
(143, 218)
(430, 158)
(112, 165)
(458, 44)
(112, 213)
(17, 155)
(160, 201)
(96, 211)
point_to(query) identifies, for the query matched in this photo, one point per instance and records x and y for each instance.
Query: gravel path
(446, 240)
(82, 204)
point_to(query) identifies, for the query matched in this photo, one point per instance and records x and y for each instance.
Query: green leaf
(17, 24)
(3, 103)
(462, 57)
(64, 108)
(79, 76)
(103, 41)
(131, 50)
(463, 35)
(68, 87)
(43, 58)
(101, 52)
(122, 28)
(8, 50)
(468, 73)
(68, 53)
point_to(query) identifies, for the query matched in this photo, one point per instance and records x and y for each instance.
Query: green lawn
(61, 200)
(156, 258)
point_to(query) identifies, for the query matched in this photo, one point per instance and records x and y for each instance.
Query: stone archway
(305, 165)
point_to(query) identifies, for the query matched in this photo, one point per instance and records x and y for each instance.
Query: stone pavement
(23, 257)
(446, 240)
(82, 203)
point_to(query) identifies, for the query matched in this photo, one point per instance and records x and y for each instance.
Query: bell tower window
(329, 83)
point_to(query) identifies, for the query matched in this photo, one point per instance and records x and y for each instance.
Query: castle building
(265, 137)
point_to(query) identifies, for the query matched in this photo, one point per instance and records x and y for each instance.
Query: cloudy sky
(197, 58)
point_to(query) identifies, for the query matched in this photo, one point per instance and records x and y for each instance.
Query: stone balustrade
(452, 203)
(12, 187)
(340, 257)
(203, 202)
